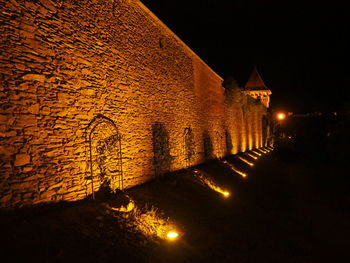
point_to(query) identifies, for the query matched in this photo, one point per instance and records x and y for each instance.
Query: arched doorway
(105, 159)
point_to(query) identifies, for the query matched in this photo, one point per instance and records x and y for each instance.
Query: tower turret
(256, 88)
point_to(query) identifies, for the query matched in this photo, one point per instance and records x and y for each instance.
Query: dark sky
(299, 48)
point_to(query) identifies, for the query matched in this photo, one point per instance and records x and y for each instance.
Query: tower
(256, 88)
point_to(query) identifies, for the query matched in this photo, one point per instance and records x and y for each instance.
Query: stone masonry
(83, 83)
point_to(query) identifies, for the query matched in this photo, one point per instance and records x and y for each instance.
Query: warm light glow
(123, 209)
(281, 116)
(151, 223)
(261, 150)
(226, 194)
(254, 151)
(210, 183)
(246, 161)
(172, 235)
(254, 157)
(234, 169)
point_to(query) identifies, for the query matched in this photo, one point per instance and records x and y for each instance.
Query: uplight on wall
(251, 155)
(151, 223)
(235, 169)
(172, 235)
(246, 161)
(210, 183)
(261, 150)
(226, 194)
(254, 151)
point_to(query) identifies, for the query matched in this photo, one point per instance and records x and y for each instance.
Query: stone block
(8, 134)
(22, 159)
(49, 5)
(34, 109)
(37, 77)
(22, 121)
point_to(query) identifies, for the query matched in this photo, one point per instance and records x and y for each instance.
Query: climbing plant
(161, 150)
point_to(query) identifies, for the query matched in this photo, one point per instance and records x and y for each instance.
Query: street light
(281, 116)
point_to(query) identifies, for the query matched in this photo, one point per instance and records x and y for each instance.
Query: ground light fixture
(251, 155)
(235, 169)
(172, 235)
(261, 150)
(148, 220)
(254, 151)
(210, 183)
(246, 161)
(226, 194)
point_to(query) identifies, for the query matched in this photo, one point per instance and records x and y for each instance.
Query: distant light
(172, 235)
(226, 194)
(281, 116)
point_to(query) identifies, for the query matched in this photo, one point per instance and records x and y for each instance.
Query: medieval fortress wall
(97, 90)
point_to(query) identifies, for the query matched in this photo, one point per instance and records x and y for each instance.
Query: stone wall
(96, 91)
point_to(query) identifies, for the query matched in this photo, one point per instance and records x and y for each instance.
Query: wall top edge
(157, 20)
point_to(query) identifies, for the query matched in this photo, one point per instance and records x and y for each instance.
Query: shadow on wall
(105, 160)
(229, 145)
(207, 146)
(161, 150)
(189, 146)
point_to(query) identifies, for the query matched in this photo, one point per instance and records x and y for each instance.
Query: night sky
(299, 48)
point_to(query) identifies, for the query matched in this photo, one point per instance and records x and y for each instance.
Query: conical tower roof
(255, 82)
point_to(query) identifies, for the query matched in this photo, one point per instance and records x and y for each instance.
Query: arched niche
(105, 153)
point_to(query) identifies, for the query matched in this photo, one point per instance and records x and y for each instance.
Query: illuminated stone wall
(82, 85)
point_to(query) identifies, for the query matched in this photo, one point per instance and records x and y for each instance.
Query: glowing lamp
(172, 235)
(254, 157)
(281, 116)
(246, 161)
(226, 194)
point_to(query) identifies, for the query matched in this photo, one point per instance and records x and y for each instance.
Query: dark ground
(293, 207)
